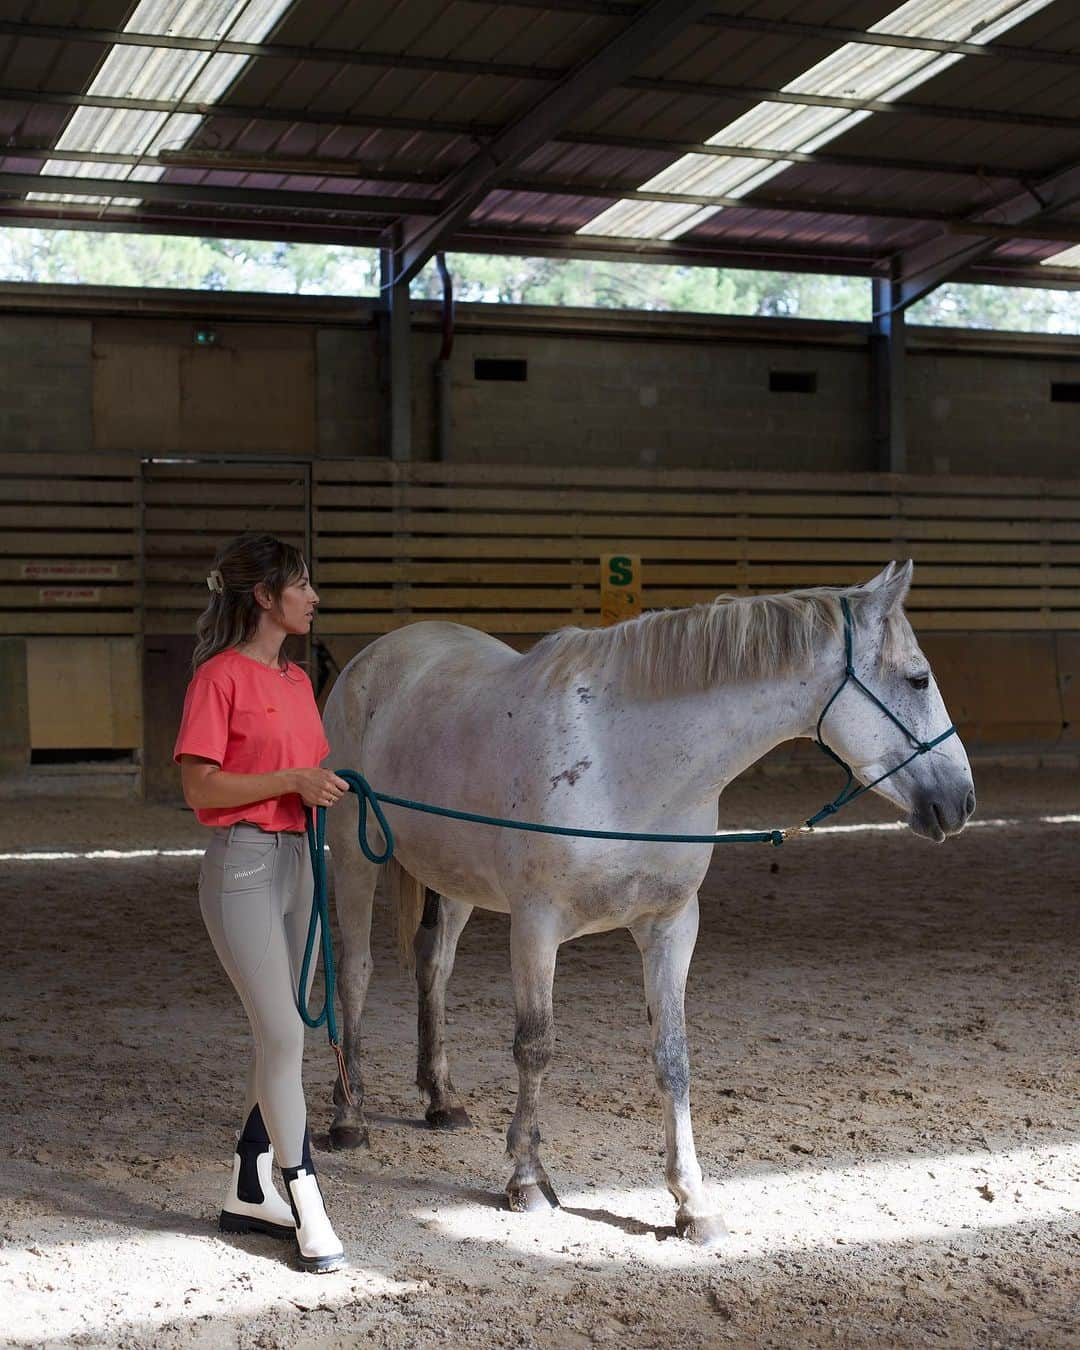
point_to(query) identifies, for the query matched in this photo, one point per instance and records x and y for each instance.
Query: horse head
(889, 711)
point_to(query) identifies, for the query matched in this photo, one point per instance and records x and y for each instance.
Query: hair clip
(215, 582)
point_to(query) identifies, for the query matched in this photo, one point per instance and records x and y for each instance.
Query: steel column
(888, 366)
(397, 381)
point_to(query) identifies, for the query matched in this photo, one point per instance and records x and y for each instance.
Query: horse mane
(732, 638)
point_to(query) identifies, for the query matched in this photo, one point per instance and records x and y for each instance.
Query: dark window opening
(792, 381)
(92, 755)
(500, 368)
(1064, 391)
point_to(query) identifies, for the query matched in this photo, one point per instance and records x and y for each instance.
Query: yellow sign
(620, 587)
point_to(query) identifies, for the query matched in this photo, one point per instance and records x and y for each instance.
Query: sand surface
(883, 1035)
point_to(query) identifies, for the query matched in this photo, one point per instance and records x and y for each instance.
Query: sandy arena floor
(883, 1035)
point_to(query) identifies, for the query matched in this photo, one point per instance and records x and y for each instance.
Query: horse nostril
(969, 802)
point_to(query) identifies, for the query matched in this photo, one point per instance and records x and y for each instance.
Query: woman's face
(296, 608)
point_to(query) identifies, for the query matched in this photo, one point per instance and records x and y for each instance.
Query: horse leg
(354, 894)
(434, 946)
(666, 947)
(533, 947)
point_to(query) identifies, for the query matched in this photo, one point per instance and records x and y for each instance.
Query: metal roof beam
(233, 159)
(822, 32)
(276, 51)
(263, 225)
(647, 84)
(47, 215)
(257, 162)
(655, 26)
(919, 270)
(219, 161)
(313, 117)
(204, 194)
(347, 56)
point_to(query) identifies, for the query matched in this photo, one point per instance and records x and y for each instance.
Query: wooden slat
(219, 494)
(59, 623)
(645, 527)
(115, 544)
(198, 547)
(40, 516)
(333, 497)
(32, 464)
(660, 573)
(465, 501)
(188, 471)
(841, 553)
(382, 471)
(88, 491)
(217, 521)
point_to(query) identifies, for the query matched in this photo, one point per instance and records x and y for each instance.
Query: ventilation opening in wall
(1065, 391)
(500, 368)
(97, 755)
(792, 381)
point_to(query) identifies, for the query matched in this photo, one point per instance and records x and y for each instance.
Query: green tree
(111, 259)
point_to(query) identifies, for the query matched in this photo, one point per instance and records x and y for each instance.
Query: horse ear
(876, 583)
(889, 588)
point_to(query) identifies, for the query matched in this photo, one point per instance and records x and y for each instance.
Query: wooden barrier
(71, 602)
(103, 548)
(69, 545)
(190, 507)
(514, 549)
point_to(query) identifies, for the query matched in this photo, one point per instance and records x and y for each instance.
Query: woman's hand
(318, 787)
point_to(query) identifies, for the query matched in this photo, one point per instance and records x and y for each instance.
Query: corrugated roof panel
(466, 30)
(855, 71)
(159, 73)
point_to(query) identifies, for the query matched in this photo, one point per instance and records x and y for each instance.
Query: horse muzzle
(938, 815)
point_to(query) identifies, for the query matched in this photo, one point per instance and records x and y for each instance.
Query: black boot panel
(254, 1131)
(248, 1188)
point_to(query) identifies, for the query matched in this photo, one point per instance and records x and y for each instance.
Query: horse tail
(407, 898)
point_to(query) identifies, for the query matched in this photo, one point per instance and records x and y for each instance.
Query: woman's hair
(240, 564)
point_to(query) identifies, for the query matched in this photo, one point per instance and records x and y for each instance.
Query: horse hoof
(531, 1199)
(706, 1230)
(452, 1118)
(349, 1136)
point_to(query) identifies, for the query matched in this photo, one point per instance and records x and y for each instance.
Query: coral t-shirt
(249, 718)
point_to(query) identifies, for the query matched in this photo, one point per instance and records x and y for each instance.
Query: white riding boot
(262, 1210)
(319, 1248)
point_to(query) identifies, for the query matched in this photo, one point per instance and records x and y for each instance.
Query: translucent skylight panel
(165, 75)
(1069, 258)
(854, 70)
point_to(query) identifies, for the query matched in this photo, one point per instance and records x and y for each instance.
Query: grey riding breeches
(255, 896)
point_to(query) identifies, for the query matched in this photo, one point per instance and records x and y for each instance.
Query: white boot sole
(321, 1265)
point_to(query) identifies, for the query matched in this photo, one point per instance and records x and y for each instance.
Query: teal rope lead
(369, 797)
(370, 800)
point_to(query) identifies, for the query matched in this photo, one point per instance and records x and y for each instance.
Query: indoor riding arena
(881, 1028)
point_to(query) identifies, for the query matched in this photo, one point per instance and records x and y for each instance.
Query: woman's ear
(262, 596)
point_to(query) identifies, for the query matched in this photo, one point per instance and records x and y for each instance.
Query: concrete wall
(297, 375)
(646, 403)
(991, 413)
(46, 383)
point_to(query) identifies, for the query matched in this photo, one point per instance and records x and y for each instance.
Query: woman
(249, 749)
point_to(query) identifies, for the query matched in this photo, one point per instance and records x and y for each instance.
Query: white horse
(633, 728)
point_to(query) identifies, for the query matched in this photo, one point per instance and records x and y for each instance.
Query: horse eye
(919, 681)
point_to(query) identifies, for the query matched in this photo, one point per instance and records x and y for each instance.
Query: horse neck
(714, 735)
